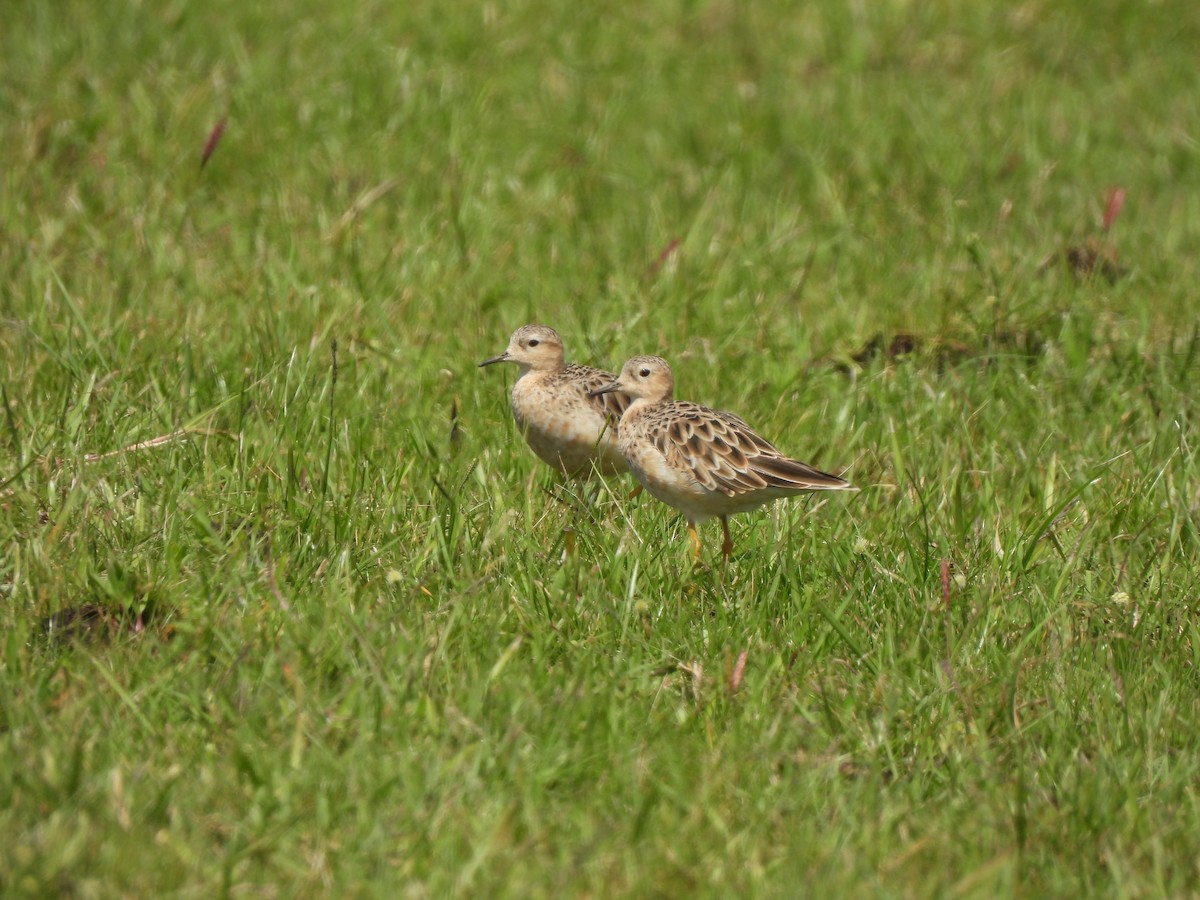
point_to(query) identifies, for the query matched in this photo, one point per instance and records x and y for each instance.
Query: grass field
(287, 607)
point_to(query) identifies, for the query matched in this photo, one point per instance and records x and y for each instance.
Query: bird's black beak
(608, 388)
(503, 357)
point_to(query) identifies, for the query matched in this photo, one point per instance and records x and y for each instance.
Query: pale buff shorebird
(704, 462)
(564, 423)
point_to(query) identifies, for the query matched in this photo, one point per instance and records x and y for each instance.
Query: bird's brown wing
(611, 405)
(725, 454)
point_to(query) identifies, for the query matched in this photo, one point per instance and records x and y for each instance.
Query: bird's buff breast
(675, 487)
(560, 427)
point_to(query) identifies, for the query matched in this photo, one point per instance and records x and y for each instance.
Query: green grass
(367, 661)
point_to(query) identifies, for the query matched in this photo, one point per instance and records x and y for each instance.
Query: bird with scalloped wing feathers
(703, 462)
(566, 421)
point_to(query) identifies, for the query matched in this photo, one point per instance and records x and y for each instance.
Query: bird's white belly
(670, 485)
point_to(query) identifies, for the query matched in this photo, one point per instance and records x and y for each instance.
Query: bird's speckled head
(532, 347)
(644, 378)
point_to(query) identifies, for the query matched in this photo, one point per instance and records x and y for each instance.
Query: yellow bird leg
(695, 541)
(727, 544)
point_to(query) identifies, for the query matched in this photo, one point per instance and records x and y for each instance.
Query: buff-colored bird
(703, 462)
(563, 421)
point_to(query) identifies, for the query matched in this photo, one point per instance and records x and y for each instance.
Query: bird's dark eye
(645, 373)
(533, 342)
